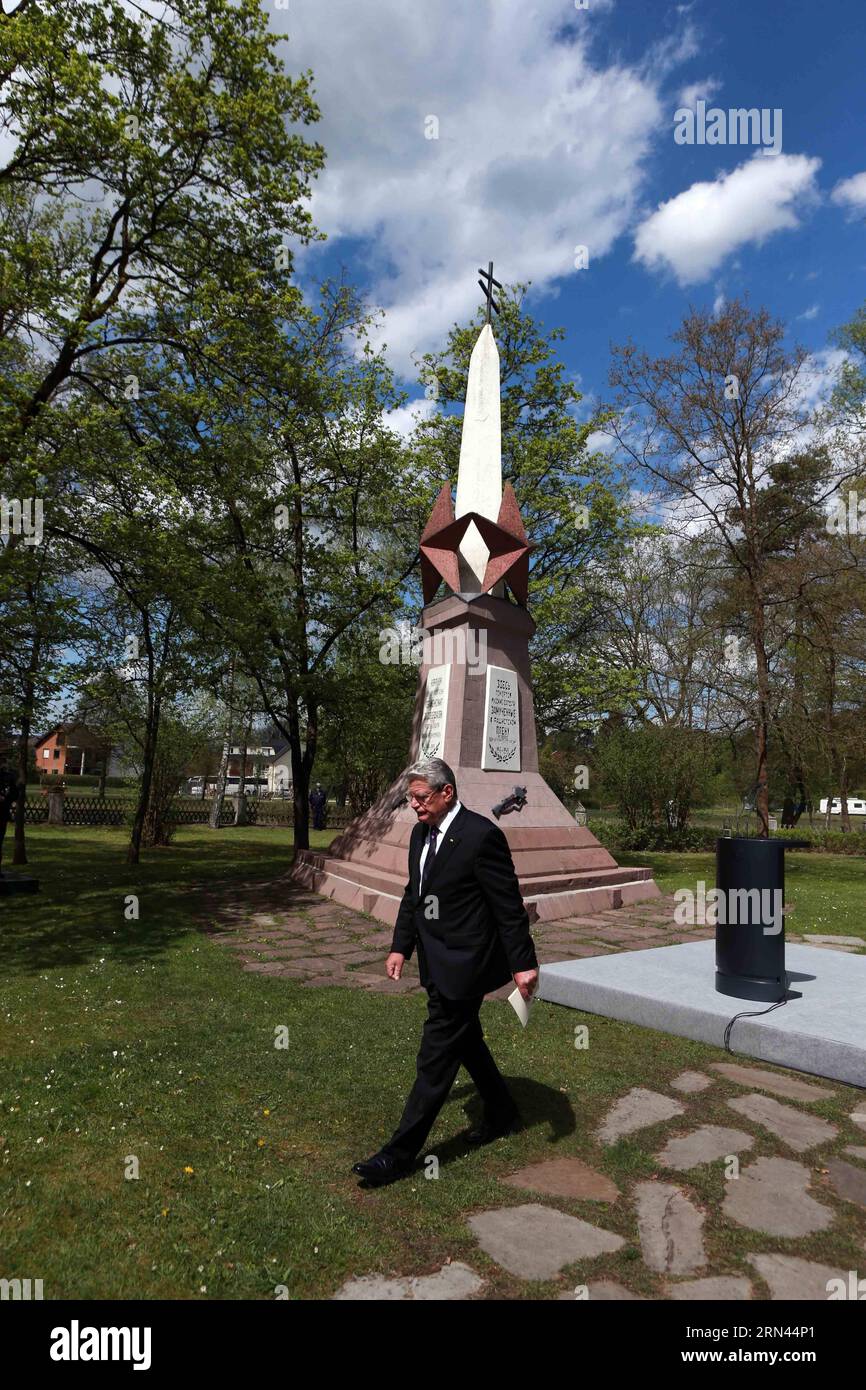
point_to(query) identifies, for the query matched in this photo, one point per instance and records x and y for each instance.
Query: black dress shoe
(486, 1132)
(381, 1169)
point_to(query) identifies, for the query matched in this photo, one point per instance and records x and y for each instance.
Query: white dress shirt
(444, 824)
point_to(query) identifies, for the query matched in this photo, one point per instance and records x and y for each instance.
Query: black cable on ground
(756, 1014)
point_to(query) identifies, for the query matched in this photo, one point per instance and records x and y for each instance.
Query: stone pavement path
(279, 928)
(769, 1196)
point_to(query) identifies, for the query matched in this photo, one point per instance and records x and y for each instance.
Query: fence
(184, 810)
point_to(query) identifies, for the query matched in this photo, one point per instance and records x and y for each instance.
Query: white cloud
(818, 376)
(600, 443)
(404, 419)
(851, 193)
(706, 89)
(694, 232)
(810, 313)
(540, 149)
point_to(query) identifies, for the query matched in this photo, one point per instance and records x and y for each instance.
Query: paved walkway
(280, 929)
(795, 1193)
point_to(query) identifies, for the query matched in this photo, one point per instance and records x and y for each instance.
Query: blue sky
(556, 129)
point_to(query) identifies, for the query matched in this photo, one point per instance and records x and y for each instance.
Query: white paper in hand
(520, 1006)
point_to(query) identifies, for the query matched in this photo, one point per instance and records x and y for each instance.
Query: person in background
(318, 802)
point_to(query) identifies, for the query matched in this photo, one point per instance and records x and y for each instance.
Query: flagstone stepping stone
(838, 943)
(535, 1242)
(770, 1196)
(859, 1118)
(689, 1081)
(603, 1290)
(318, 963)
(856, 1151)
(565, 1177)
(848, 1182)
(788, 1086)
(703, 1145)
(451, 1281)
(670, 1229)
(789, 1277)
(800, 1132)
(270, 967)
(638, 1109)
(726, 1286)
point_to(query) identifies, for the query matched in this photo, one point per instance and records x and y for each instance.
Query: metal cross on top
(488, 288)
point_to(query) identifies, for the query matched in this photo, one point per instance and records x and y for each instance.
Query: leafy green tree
(848, 402)
(154, 189)
(305, 511)
(367, 719)
(707, 425)
(656, 774)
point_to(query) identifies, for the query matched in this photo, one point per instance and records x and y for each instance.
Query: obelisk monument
(474, 705)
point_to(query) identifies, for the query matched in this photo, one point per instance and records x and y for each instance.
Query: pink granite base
(562, 869)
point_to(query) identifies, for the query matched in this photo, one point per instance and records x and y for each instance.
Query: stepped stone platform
(562, 869)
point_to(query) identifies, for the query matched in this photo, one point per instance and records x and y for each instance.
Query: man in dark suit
(463, 910)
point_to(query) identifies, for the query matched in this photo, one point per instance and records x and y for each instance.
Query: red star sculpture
(505, 539)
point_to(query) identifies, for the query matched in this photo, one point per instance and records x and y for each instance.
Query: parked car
(250, 788)
(856, 806)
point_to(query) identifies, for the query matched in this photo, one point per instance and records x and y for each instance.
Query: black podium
(750, 927)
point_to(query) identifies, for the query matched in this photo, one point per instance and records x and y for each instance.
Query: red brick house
(69, 750)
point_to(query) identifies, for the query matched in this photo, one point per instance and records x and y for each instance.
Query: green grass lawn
(144, 1043)
(825, 893)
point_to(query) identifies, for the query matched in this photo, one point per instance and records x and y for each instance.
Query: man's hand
(527, 982)
(394, 965)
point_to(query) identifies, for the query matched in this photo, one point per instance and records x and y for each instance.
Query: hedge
(697, 838)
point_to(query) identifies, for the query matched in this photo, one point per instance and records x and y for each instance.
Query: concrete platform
(820, 1030)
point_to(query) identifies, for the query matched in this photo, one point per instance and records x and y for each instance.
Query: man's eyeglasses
(422, 800)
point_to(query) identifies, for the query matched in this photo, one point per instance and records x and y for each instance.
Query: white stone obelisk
(479, 477)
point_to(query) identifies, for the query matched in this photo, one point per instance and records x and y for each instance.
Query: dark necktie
(431, 855)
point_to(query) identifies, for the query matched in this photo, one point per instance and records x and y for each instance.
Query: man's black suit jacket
(471, 927)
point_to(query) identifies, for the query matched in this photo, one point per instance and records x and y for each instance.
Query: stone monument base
(562, 869)
(17, 884)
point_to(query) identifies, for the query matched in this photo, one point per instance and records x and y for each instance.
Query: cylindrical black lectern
(750, 929)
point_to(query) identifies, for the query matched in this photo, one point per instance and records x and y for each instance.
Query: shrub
(656, 775)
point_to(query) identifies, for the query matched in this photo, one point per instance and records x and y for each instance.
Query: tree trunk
(19, 849)
(845, 818)
(151, 734)
(222, 775)
(240, 808)
(301, 785)
(762, 718)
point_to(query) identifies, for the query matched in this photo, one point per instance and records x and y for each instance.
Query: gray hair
(434, 771)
